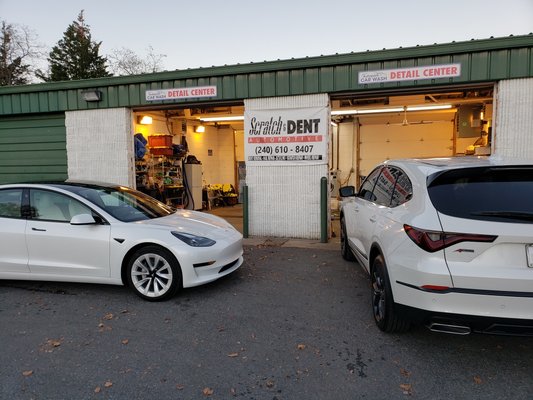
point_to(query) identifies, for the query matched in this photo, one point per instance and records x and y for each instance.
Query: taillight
(433, 241)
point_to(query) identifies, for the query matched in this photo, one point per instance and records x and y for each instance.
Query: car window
(500, 194)
(368, 184)
(403, 188)
(385, 186)
(122, 203)
(52, 206)
(10, 203)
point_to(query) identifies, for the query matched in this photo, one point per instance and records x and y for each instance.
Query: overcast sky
(205, 33)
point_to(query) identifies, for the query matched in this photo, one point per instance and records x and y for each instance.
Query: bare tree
(125, 61)
(20, 52)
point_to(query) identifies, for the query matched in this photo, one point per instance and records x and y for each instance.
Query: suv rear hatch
(488, 201)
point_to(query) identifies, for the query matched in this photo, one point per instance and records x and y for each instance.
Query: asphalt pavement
(291, 323)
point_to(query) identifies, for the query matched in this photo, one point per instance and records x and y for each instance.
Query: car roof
(430, 165)
(66, 184)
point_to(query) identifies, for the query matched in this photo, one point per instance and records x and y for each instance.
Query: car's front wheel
(154, 273)
(386, 317)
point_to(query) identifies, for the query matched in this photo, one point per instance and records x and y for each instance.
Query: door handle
(38, 230)
(372, 218)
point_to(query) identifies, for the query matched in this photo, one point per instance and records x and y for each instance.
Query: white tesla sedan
(446, 242)
(96, 233)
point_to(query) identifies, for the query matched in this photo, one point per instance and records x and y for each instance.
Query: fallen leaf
(108, 316)
(125, 341)
(405, 372)
(233, 392)
(108, 384)
(406, 388)
(270, 384)
(98, 389)
(207, 391)
(124, 312)
(478, 380)
(27, 373)
(180, 387)
(301, 346)
(100, 325)
(233, 355)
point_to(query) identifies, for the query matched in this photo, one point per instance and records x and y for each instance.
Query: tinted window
(403, 189)
(10, 203)
(384, 187)
(490, 193)
(367, 187)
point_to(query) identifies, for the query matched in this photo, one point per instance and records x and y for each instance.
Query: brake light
(432, 241)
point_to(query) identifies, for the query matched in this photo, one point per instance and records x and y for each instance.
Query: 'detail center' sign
(286, 136)
(181, 93)
(410, 74)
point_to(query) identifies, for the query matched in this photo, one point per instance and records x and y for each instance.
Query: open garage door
(33, 148)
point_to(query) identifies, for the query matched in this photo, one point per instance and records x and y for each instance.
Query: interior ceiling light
(144, 120)
(199, 129)
(222, 119)
(391, 109)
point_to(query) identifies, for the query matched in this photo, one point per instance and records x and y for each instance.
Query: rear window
(502, 194)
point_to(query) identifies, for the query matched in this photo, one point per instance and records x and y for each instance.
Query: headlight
(193, 240)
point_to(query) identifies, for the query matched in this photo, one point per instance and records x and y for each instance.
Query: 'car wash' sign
(181, 93)
(410, 74)
(286, 136)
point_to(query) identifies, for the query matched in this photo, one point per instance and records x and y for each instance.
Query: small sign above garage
(410, 74)
(181, 93)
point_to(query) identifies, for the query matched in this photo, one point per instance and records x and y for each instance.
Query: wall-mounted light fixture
(91, 95)
(199, 129)
(144, 120)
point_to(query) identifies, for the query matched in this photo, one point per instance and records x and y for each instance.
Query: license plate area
(529, 253)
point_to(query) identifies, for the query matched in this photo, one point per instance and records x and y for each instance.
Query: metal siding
(283, 83)
(255, 85)
(519, 63)
(228, 86)
(479, 67)
(311, 80)
(499, 64)
(241, 84)
(268, 84)
(33, 148)
(112, 98)
(297, 82)
(466, 70)
(342, 77)
(327, 81)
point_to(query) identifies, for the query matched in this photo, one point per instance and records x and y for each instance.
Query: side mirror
(347, 191)
(83, 219)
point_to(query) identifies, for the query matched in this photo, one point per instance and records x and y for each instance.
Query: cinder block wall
(100, 145)
(513, 125)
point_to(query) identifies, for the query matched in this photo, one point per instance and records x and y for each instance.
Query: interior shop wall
(514, 118)
(215, 148)
(347, 153)
(100, 145)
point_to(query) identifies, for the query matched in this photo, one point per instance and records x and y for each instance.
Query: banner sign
(286, 136)
(410, 74)
(181, 93)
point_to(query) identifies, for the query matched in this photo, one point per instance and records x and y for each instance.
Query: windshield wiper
(528, 216)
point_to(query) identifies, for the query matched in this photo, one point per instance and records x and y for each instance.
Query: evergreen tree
(13, 71)
(76, 56)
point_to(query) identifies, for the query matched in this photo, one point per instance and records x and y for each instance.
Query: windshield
(122, 203)
(500, 194)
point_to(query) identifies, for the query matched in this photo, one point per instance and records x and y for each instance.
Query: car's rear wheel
(387, 318)
(346, 252)
(154, 273)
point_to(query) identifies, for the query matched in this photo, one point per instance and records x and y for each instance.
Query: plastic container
(160, 141)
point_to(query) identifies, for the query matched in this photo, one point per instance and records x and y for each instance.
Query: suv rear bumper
(473, 323)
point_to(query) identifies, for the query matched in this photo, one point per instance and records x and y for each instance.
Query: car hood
(197, 223)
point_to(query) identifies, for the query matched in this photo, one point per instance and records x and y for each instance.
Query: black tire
(154, 273)
(386, 316)
(346, 252)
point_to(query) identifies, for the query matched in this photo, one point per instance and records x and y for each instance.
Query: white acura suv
(446, 242)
